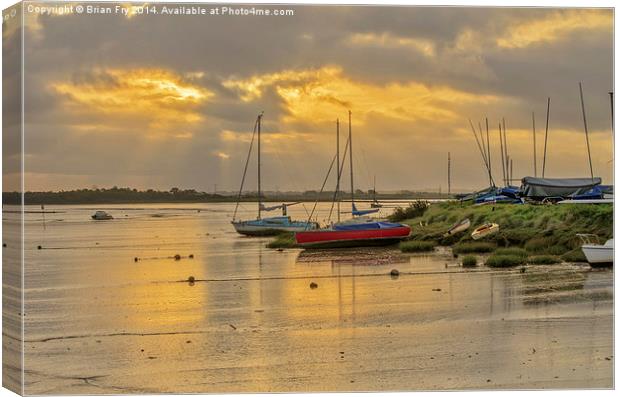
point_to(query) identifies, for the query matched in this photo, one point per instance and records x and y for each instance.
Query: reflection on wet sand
(256, 319)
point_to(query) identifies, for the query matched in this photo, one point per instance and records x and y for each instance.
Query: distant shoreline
(133, 196)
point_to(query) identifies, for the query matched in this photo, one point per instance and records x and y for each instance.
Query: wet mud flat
(98, 322)
(352, 332)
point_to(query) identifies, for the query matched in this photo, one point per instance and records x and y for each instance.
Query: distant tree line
(125, 195)
(111, 196)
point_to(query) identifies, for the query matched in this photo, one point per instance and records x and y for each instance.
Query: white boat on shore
(485, 230)
(597, 254)
(459, 227)
(588, 201)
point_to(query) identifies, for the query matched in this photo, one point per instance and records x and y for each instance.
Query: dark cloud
(465, 57)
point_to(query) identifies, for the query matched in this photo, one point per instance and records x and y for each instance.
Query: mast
(374, 188)
(489, 152)
(611, 99)
(245, 171)
(546, 133)
(260, 116)
(534, 136)
(338, 166)
(585, 127)
(351, 163)
(473, 130)
(506, 151)
(501, 147)
(484, 147)
(448, 174)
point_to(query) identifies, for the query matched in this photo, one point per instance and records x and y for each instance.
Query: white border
(481, 3)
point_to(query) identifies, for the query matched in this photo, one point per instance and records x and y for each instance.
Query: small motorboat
(597, 254)
(485, 230)
(458, 227)
(101, 216)
(354, 234)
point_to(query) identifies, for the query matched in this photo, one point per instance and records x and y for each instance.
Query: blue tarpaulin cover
(556, 187)
(367, 225)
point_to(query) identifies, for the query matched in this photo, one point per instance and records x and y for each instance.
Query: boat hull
(598, 255)
(459, 227)
(351, 238)
(256, 231)
(271, 226)
(484, 231)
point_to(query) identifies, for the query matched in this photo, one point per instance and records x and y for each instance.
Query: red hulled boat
(359, 231)
(354, 235)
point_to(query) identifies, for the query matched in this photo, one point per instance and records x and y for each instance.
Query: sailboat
(268, 226)
(357, 231)
(375, 203)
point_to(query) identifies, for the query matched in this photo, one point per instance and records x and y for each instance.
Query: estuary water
(109, 309)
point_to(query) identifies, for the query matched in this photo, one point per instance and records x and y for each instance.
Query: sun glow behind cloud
(161, 99)
(322, 94)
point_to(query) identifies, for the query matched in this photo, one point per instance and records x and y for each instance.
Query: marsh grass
(575, 255)
(511, 251)
(417, 246)
(284, 240)
(540, 229)
(473, 247)
(505, 260)
(470, 261)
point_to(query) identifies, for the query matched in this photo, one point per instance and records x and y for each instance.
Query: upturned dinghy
(458, 227)
(485, 230)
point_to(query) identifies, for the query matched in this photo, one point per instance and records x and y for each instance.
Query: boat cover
(556, 187)
(367, 226)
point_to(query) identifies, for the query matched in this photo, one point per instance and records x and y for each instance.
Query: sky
(161, 101)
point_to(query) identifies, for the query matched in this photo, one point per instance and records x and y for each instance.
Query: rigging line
(484, 148)
(331, 165)
(290, 177)
(585, 127)
(546, 133)
(478, 143)
(341, 167)
(534, 136)
(245, 170)
(501, 145)
(506, 157)
(486, 120)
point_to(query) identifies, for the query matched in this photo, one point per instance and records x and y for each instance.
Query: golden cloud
(386, 40)
(554, 27)
(323, 94)
(160, 98)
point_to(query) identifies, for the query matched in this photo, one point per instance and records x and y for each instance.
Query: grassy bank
(536, 234)
(536, 229)
(284, 240)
